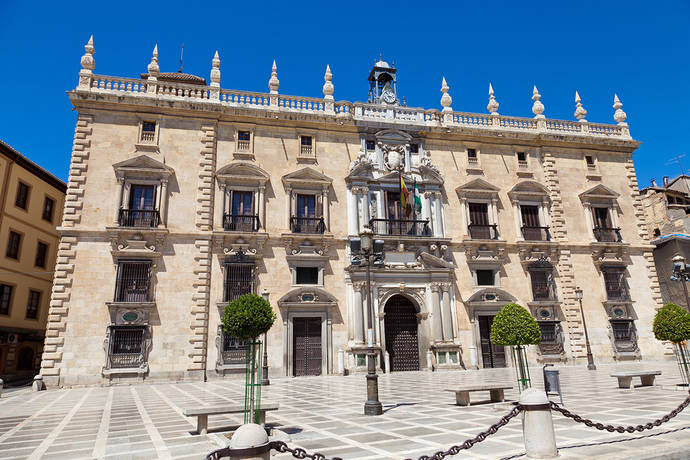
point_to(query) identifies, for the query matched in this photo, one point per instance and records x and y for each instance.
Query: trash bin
(552, 381)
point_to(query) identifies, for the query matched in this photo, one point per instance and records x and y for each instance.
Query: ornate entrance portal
(402, 343)
(492, 355)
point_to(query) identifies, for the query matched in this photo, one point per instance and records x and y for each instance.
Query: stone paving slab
(325, 414)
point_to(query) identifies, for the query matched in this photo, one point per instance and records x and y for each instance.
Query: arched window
(25, 362)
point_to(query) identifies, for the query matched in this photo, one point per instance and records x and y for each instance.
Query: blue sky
(639, 50)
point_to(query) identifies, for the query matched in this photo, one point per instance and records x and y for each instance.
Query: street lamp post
(264, 370)
(681, 272)
(590, 358)
(373, 405)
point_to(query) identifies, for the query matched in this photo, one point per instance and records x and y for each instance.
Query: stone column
(436, 330)
(438, 218)
(120, 196)
(518, 220)
(261, 207)
(446, 313)
(358, 310)
(364, 206)
(325, 206)
(494, 211)
(288, 205)
(352, 212)
(589, 220)
(163, 211)
(463, 216)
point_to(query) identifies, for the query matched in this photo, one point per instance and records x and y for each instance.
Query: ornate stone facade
(262, 192)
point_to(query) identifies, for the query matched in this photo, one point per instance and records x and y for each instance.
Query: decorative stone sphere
(249, 435)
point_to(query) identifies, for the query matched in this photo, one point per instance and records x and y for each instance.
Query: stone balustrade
(349, 110)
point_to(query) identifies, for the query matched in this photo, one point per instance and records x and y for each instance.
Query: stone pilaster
(202, 258)
(570, 305)
(77, 171)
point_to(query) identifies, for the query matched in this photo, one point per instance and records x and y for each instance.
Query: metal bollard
(537, 425)
(250, 442)
(1, 385)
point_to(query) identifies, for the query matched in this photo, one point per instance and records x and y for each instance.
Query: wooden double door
(402, 342)
(492, 355)
(307, 346)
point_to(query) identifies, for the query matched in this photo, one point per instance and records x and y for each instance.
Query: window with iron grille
(133, 282)
(543, 285)
(616, 287)
(234, 350)
(5, 299)
(622, 330)
(126, 347)
(13, 244)
(41, 252)
(239, 280)
(48, 207)
(32, 306)
(548, 331)
(22, 195)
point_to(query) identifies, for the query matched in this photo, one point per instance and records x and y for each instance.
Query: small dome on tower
(382, 64)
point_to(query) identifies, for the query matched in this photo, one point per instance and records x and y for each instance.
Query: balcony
(240, 223)
(616, 292)
(243, 146)
(483, 232)
(400, 227)
(307, 225)
(140, 218)
(543, 291)
(536, 233)
(608, 235)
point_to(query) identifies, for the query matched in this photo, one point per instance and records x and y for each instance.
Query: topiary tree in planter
(672, 323)
(515, 327)
(246, 318)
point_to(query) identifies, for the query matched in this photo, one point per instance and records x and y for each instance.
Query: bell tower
(382, 85)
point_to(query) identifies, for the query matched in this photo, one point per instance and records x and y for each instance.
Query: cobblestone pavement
(325, 414)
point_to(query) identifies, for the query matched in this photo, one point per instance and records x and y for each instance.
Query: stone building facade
(667, 206)
(183, 195)
(31, 201)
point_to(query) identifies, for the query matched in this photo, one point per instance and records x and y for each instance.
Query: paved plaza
(325, 414)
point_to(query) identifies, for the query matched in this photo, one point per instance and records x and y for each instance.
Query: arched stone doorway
(402, 342)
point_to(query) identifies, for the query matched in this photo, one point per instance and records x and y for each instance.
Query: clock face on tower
(388, 97)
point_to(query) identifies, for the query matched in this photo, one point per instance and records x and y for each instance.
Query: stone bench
(625, 378)
(202, 413)
(462, 395)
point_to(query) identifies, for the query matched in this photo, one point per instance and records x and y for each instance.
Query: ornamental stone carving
(393, 155)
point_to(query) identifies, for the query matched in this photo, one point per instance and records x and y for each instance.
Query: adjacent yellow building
(31, 201)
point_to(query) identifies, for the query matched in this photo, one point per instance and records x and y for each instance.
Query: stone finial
(87, 60)
(492, 107)
(619, 115)
(273, 82)
(328, 84)
(537, 107)
(215, 71)
(580, 112)
(153, 67)
(446, 100)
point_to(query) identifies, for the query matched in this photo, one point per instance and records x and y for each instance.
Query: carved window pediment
(477, 187)
(306, 178)
(143, 166)
(242, 172)
(528, 190)
(599, 193)
(308, 297)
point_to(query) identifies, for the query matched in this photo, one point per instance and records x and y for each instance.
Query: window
(548, 331)
(48, 206)
(142, 207)
(306, 275)
(41, 252)
(542, 285)
(622, 330)
(242, 216)
(33, 304)
(485, 277)
(126, 347)
(148, 132)
(657, 232)
(234, 350)
(133, 281)
(306, 146)
(244, 135)
(414, 148)
(603, 227)
(521, 157)
(25, 360)
(589, 159)
(5, 299)
(531, 230)
(13, 245)
(370, 146)
(479, 222)
(616, 287)
(22, 195)
(308, 215)
(239, 280)
(472, 155)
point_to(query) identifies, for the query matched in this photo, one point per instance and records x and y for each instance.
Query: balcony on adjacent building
(483, 232)
(608, 235)
(400, 227)
(241, 223)
(141, 218)
(307, 225)
(530, 233)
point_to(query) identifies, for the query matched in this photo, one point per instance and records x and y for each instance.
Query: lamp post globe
(366, 236)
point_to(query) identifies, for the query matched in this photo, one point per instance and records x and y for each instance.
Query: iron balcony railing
(241, 223)
(608, 235)
(307, 225)
(616, 291)
(411, 227)
(133, 282)
(536, 233)
(483, 232)
(147, 218)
